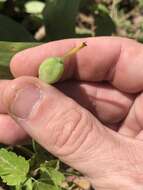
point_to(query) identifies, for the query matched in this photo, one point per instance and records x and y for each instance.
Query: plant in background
(32, 174)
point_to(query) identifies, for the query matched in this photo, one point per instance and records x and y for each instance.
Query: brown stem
(74, 50)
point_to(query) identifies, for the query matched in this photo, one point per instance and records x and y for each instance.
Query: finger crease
(111, 72)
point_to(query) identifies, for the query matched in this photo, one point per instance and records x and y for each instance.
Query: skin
(92, 122)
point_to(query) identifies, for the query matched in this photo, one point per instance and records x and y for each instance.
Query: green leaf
(43, 186)
(13, 31)
(18, 187)
(28, 185)
(105, 26)
(100, 8)
(34, 7)
(140, 3)
(56, 176)
(13, 168)
(84, 32)
(60, 18)
(53, 164)
(7, 50)
(5, 73)
(2, 3)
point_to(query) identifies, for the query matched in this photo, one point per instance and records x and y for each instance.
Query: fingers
(133, 125)
(109, 105)
(114, 59)
(57, 122)
(10, 132)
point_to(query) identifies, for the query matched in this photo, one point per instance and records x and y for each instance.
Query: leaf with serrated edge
(43, 186)
(28, 185)
(13, 168)
(56, 176)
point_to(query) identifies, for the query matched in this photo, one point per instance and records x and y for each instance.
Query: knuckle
(70, 129)
(72, 120)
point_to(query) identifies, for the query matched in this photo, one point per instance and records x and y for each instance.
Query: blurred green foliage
(46, 20)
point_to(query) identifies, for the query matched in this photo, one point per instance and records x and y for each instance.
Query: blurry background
(46, 20)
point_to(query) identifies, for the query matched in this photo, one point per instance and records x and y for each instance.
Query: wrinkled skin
(94, 121)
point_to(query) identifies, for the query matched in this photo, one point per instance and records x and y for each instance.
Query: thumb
(59, 124)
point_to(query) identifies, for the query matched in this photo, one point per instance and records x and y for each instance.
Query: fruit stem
(74, 50)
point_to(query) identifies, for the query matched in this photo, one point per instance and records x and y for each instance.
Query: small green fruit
(51, 70)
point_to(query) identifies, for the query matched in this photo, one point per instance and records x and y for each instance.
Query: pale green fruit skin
(51, 70)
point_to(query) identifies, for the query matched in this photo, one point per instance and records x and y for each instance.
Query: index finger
(114, 59)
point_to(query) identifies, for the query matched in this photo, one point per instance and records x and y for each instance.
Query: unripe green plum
(51, 70)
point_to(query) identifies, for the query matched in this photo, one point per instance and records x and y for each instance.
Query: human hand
(104, 143)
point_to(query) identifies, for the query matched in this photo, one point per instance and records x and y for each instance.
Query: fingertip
(14, 86)
(24, 63)
(10, 132)
(115, 59)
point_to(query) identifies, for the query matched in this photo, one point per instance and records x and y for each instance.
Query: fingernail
(24, 101)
